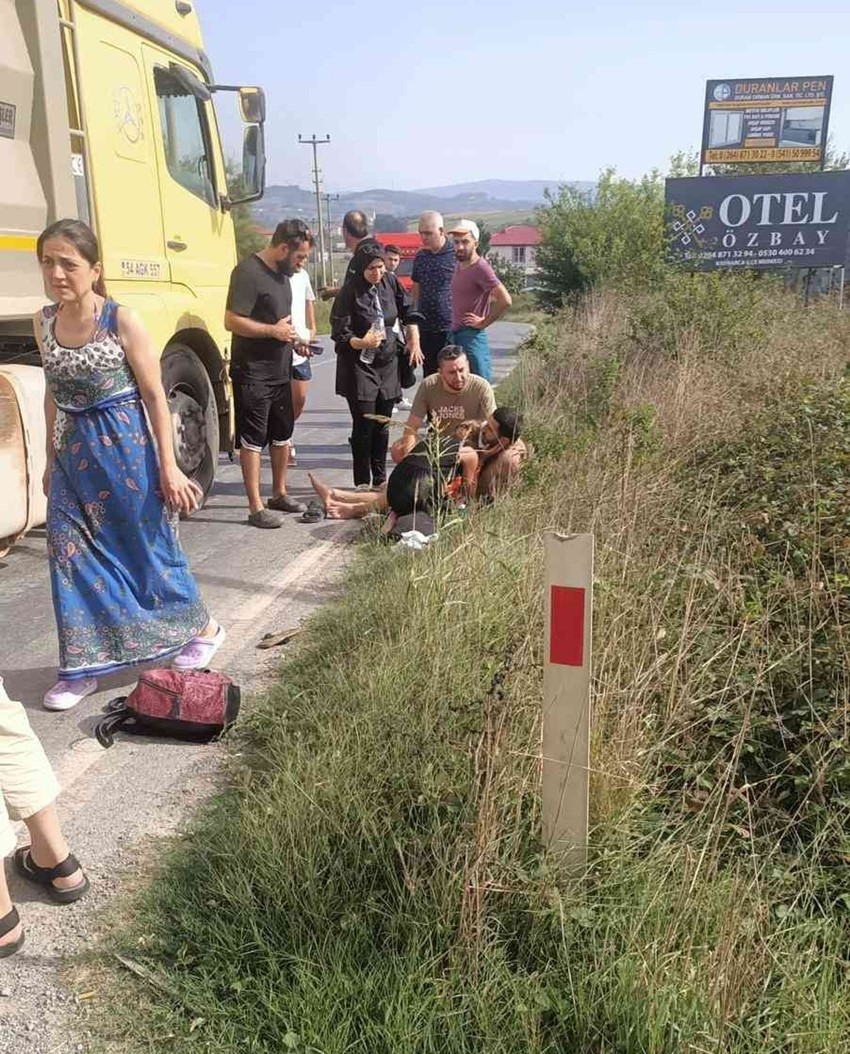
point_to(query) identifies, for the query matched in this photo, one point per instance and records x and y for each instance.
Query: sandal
(271, 640)
(7, 924)
(314, 512)
(43, 876)
(197, 653)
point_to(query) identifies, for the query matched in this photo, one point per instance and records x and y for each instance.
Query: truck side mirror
(253, 178)
(252, 105)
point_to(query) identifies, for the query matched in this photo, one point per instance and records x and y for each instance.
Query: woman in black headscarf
(367, 375)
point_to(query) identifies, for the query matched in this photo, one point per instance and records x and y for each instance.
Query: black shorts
(264, 414)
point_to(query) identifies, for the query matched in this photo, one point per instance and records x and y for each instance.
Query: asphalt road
(253, 581)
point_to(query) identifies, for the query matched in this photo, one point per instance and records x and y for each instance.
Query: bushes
(614, 235)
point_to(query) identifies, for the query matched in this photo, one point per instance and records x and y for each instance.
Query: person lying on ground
(417, 483)
(447, 397)
(501, 451)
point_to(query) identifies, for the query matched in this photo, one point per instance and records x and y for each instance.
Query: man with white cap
(478, 298)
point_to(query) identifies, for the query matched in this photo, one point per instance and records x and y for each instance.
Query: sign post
(566, 694)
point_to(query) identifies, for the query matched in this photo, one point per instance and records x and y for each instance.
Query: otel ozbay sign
(758, 221)
(768, 119)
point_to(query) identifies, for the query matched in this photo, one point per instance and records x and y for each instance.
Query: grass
(373, 879)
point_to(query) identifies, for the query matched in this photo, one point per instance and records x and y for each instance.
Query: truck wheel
(194, 414)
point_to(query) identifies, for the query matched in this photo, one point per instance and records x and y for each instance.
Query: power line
(317, 180)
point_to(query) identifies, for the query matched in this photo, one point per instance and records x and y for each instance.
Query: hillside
(463, 199)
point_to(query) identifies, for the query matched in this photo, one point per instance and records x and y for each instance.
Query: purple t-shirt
(471, 289)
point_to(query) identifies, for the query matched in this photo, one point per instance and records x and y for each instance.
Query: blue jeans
(477, 347)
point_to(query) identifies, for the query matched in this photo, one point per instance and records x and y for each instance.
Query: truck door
(199, 241)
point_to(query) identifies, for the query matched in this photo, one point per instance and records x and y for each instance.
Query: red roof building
(517, 245)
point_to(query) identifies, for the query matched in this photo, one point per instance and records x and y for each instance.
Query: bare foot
(342, 511)
(322, 489)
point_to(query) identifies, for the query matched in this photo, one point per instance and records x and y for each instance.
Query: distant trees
(511, 275)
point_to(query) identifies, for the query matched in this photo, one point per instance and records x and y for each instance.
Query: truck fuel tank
(22, 451)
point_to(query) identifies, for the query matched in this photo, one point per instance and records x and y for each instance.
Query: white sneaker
(292, 460)
(404, 403)
(394, 409)
(197, 653)
(66, 694)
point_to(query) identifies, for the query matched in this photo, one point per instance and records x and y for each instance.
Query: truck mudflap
(22, 452)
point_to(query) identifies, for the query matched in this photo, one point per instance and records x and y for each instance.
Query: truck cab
(108, 113)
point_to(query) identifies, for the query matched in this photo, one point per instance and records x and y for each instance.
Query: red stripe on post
(566, 636)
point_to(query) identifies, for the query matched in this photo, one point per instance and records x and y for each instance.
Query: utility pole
(317, 180)
(328, 199)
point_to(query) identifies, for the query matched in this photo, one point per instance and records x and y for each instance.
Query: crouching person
(501, 451)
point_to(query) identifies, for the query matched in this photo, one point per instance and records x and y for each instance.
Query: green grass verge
(373, 880)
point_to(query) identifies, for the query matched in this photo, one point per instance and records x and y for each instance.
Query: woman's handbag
(184, 704)
(406, 373)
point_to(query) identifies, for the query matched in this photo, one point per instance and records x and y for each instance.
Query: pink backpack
(184, 704)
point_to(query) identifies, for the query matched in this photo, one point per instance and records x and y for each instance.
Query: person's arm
(178, 491)
(414, 295)
(243, 326)
(310, 310)
(468, 459)
(404, 306)
(342, 319)
(49, 414)
(500, 301)
(402, 447)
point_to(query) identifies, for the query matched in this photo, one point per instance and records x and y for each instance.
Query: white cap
(466, 227)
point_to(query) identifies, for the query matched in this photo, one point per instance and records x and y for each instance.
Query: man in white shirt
(304, 324)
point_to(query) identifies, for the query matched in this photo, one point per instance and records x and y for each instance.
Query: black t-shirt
(264, 295)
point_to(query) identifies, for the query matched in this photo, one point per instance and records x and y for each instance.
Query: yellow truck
(108, 114)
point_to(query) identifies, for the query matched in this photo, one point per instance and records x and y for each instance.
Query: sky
(431, 93)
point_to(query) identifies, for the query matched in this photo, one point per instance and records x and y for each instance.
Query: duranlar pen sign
(758, 221)
(767, 119)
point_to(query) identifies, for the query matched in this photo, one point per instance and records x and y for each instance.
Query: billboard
(773, 119)
(798, 220)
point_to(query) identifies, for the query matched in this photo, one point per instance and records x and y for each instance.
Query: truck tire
(194, 414)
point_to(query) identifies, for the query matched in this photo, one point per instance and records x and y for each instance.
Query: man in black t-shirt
(258, 314)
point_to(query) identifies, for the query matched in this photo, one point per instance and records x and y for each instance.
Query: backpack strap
(117, 715)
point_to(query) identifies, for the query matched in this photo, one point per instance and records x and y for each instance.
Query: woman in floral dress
(122, 591)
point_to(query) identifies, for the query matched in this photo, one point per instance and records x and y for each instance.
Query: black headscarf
(364, 254)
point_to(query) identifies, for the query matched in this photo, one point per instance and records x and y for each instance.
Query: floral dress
(122, 591)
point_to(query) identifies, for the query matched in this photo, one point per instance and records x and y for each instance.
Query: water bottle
(367, 355)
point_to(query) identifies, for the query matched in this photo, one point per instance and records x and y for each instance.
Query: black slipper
(43, 876)
(314, 512)
(7, 924)
(271, 640)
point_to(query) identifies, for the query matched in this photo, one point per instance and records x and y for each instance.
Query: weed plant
(374, 881)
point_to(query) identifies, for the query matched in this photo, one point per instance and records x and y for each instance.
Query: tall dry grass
(375, 879)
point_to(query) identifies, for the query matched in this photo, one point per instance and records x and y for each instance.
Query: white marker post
(566, 694)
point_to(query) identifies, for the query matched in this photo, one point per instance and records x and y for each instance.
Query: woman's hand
(372, 339)
(179, 492)
(415, 356)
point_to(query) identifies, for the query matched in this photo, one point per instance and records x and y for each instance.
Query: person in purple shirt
(478, 299)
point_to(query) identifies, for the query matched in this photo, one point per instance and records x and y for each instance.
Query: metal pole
(328, 199)
(315, 143)
(841, 290)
